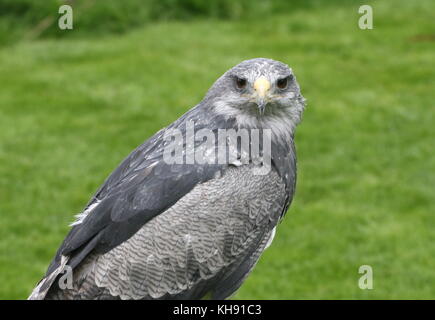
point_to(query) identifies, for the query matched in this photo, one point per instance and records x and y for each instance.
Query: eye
(283, 82)
(240, 83)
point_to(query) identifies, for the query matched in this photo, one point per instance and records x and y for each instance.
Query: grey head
(257, 93)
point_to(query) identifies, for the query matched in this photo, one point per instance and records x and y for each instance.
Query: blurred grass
(30, 19)
(72, 109)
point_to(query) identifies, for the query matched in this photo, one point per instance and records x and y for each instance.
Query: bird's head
(258, 89)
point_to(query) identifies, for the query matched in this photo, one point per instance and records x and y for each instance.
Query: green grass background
(71, 108)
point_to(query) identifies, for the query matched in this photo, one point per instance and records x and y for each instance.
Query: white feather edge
(272, 235)
(81, 216)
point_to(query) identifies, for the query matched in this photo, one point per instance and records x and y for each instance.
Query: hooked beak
(261, 86)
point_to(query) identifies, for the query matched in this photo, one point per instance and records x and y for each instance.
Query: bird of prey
(188, 227)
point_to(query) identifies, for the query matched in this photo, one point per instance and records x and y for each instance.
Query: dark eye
(240, 83)
(283, 83)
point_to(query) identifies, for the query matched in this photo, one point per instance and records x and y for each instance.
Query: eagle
(189, 212)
